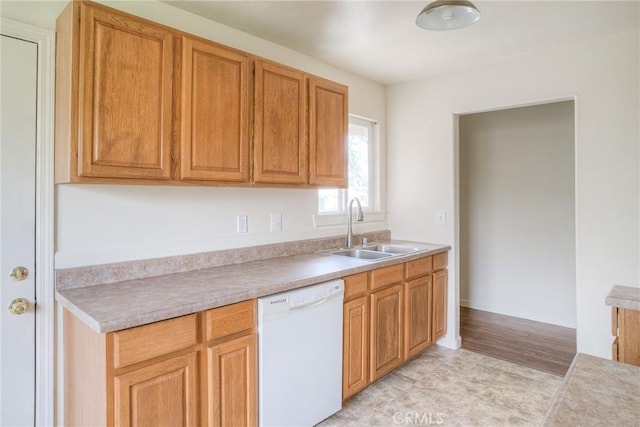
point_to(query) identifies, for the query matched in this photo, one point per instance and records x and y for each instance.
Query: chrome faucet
(359, 217)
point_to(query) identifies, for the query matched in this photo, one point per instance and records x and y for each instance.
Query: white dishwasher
(300, 355)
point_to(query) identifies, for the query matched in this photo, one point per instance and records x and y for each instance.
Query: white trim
(45, 279)
(449, 340)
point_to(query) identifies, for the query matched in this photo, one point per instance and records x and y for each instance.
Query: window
(361, 148)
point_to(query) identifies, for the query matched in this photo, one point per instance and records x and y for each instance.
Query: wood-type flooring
(541, 346)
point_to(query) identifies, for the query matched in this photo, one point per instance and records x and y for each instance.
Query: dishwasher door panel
(300, 364)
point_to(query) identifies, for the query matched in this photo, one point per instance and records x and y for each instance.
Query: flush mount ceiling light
(447, 15)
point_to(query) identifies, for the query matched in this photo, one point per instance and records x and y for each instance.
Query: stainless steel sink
(376, 251)
(362, 254)
(392, 249)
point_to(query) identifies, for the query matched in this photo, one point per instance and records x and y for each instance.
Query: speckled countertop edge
(624, 297)
(115, 306)
(596, 392)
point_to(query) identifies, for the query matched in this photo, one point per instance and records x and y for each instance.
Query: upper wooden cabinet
(214, 119)
(328, 131)
(138, 102)
(279, 125)
(113, 95)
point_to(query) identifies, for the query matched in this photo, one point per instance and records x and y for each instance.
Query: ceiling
(380, 41)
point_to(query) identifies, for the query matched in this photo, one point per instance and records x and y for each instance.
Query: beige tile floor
(446, 387)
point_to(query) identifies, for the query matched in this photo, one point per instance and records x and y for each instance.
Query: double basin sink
(374, 252)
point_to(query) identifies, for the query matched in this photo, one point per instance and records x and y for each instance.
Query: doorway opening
(517, 234)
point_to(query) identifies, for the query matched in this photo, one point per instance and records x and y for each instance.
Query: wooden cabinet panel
(440, 261)
(230, 319)
(387, 332)
(156, 339)
(417, 309)
(232, 382)
(137, 102)
(214, 121)
(125, 95)
(629, 336)
(384, 276)
(355, 348)
(355, 286)
(439, 303)
(164, 393)
(328, 132)
(417, 267)
(280, 130)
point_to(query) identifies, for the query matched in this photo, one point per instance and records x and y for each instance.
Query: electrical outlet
(441, 217)
(243, 224)
(276, 222)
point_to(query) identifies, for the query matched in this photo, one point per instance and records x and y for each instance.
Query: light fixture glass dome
(447, 15)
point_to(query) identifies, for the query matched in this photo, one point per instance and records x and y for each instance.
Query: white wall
(106, 223)
(517, 213)
(602, 75)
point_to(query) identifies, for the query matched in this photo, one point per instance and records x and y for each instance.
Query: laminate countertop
(624, 297)
(115, 306)
(597, 392)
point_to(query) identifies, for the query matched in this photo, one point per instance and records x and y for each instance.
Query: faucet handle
(365, 241)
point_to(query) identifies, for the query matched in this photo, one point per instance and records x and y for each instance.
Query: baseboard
(453, 343)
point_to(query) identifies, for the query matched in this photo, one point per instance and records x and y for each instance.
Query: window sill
(329, 220)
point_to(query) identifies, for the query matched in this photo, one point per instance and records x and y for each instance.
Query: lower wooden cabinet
(391, 314)
(192, 370)
(625, 326)
(232, 378)
(163, 393)
(387, 330)
(417, 314)
(355, 347)
(439, 303)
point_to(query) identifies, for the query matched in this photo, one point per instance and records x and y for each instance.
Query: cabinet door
(124, 99)
(386, 331)
(164, 393)
(280, 131)
(214, 121)
(439, 304)
(417, 309)
(328, 132)
(355, 347)
(232, 382)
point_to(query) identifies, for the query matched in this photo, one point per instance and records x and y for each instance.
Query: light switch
(243, 224)
(441, 217)
(276, 222)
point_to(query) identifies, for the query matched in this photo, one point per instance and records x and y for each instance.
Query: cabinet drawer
(386, 276)
(355, 286)
(440, 261)
(614, 321)
(146, 342)
(230, 319)
(418, 267)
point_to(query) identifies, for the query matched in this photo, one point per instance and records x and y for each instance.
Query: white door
(17, 230)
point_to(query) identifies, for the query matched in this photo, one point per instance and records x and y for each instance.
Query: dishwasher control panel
(278, 305)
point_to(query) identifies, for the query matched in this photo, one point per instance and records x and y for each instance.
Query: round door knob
(19, 273)
(19, 306)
